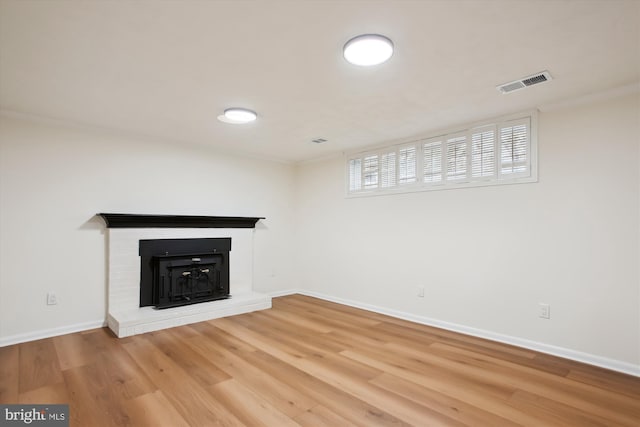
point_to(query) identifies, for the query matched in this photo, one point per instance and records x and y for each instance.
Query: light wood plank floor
(309, 362)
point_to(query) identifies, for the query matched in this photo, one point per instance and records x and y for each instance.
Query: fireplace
(131, 313)
(175, 272)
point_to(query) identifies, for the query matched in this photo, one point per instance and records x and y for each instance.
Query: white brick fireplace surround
(126, 317)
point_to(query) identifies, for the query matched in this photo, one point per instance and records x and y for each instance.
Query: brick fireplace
(127, 317)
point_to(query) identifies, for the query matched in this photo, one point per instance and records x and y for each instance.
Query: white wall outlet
(51, 298)
(421, 291)
(544, 311)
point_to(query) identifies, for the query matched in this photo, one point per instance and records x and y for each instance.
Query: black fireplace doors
(177, 272)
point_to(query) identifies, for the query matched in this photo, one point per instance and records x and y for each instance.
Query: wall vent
(319, 140)
(531, 80)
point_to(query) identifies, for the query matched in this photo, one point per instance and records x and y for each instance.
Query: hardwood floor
(309, 362)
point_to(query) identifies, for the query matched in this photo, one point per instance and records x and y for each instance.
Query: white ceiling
(167, 69)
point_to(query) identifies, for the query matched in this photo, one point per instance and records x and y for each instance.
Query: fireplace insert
(177, 272)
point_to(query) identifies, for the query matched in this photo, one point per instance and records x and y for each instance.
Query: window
(498, 152)
(483, 159)
(513, 145)
(456, 158)
(388, 169)
(432, 161)
(408, 163)
(370, 172)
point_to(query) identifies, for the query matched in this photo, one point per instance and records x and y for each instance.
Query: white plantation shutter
(407, 164)
(388, 169)
(370, 172)
(483, 152)
(432, 161)
(514, 148)
(497, 152)
(355, 174)
(457, 158)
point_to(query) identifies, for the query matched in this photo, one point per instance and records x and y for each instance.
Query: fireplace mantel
(121, 220)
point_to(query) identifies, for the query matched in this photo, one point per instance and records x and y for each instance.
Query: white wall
(488, 256)
(54, 179)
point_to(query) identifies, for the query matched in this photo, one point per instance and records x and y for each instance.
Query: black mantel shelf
(120, 220)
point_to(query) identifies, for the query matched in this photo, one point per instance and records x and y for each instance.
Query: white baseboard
(53, 332)
(578, 356)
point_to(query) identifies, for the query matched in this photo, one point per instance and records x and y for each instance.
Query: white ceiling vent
(531, 80)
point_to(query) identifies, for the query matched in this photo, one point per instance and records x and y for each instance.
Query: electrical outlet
(545, 311)
(421, 291)
(52, 299)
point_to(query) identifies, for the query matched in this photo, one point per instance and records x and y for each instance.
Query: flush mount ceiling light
(368, 49)
(238, 116)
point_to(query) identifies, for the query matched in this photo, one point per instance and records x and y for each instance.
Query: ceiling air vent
(534, 79)
(319, 140)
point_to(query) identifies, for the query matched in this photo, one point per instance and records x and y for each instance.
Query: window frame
(529, 118)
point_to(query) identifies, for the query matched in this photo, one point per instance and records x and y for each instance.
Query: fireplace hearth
(177, 272)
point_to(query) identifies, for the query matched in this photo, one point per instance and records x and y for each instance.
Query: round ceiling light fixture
(238, 116)
(368, 49)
